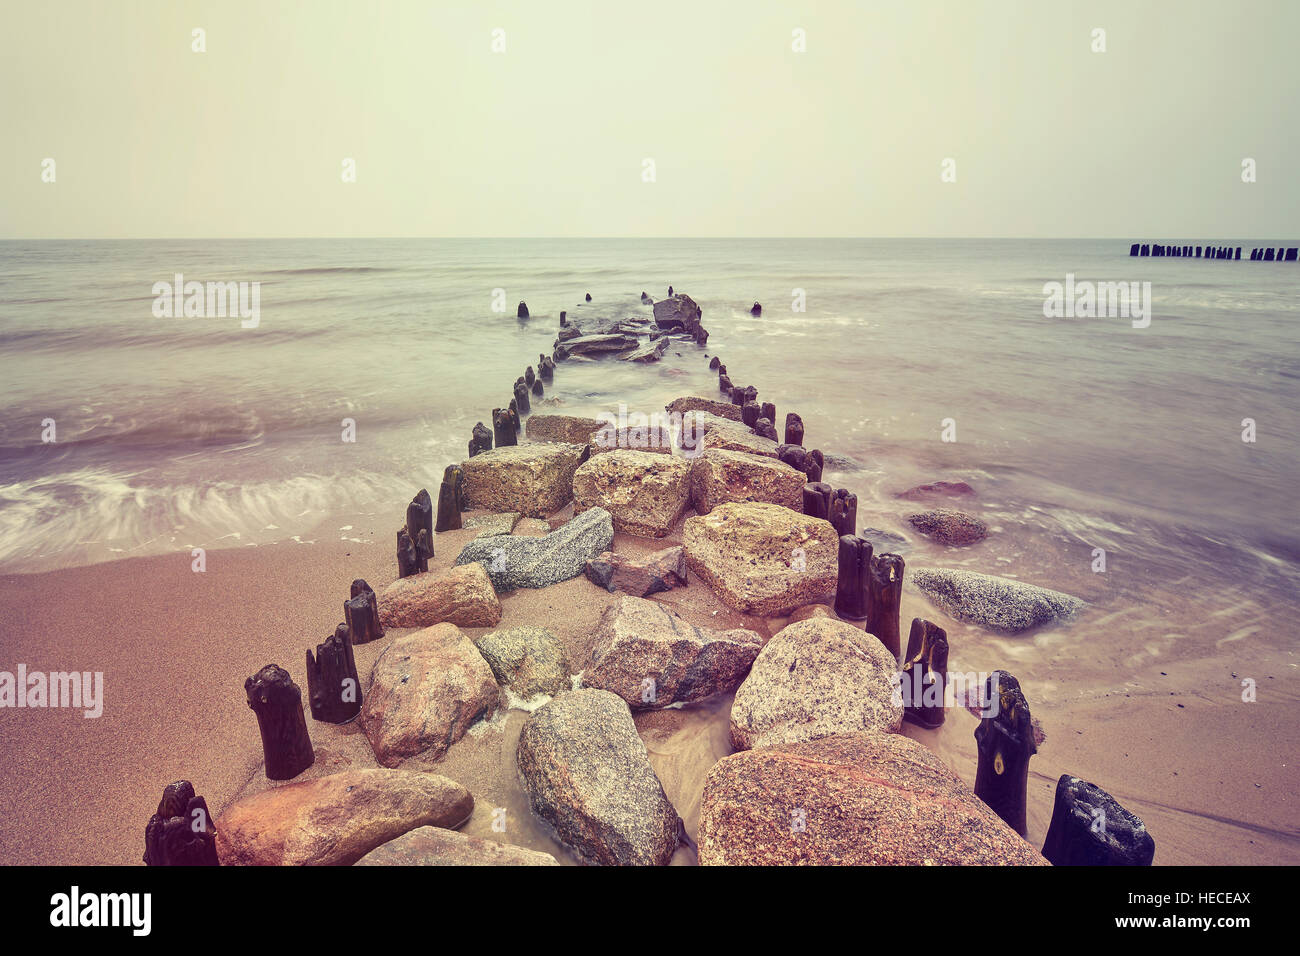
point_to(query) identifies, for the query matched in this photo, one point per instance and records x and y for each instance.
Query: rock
(646, 352)
(936, 489)
(514, 561)
(529, 660)
(809, 611)
(652, 437)
(652, 658)
(533, 527)
(680, 312)
(693, 403)
(645, 299)
(336, 820)
(816, 678)
(533, 479)
(949, 527)
(761, 558)
(1001, 604)
(434, 846)
(661, 571)
(461, 596)
(493, 524)
(644, 493)
(834, 462)
(885, 542)
(1091, 828)
(426, 690)
(571, 429)
(865, 799)
(764, 428)
(719, 476)
(737, 438)
(587, 774)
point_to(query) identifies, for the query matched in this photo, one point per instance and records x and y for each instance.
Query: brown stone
(426, 690)
(809, 611)
(653, 438)
(693, 403)
(462, 595)
(640, 577)
(937, 489)
(853, 800)
(719, 476)
(534, 479)
(761, 558)
(949, 527)
(434, 846)
(336, 820)
(738, 438)
(644, 493)
(571, 429)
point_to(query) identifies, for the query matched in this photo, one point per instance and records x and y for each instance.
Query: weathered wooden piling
(503, 427)
(764, 428)
(1005, 741)
(925, 670)
(522, 311)
(817, 500)
(521, 399)
(408, 559)
(755, 309)
(844, 511)
(793, 429)
(180, 833)
(480, 440)
(750, 412)
(451, 495)
(361, 612)
(333, 687)
(853, 584)
(714, 362)
(1090, 828)
(813, 465)
(277, 702)
(886, 599)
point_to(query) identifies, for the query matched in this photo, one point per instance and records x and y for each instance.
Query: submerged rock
(762, 558)
(1001, 604)
(937, 489)
(643, 492)
(534, 479)
(587, 774)
(461, 596)
(862, 799)
(816, 678)
(661, 571)
(679, 312)
(435, 846)
(513, 561)
(953, 528)
(530, 660)
(336, 820)
(652, 658)
(885, 542)
(426, 690)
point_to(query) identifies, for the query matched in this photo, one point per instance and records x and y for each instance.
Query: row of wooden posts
(1264, 254)
(869, 589)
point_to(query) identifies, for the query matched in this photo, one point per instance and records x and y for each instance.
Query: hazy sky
(748, 137)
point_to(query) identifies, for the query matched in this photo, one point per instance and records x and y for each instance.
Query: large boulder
(644, 493)
(679, 313)
(816, 678)
(854, 800)
(488, 525)
(650, 436)
(694, 403)
(587, 774)
(571, 429)
(426, 690)
(336, 820)
(652, 658)
(761, 558)
(461, 596)
(530, 660)
(514, 561)
(954, 528)
(1000, 604)
(734, 437)
(434, 846)
(720, 476)
(640, 577)
(534, 479)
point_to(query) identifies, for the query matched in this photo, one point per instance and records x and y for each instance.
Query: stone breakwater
(817, 711)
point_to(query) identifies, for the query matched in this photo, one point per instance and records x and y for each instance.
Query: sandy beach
(1213, 780)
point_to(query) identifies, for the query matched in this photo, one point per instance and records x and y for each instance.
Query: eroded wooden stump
(451, 496)
(925, 670)
(408, 560)
(361, 612)
(481, 440)
(277, 702)
(844, 511)
(333, 688)
(180, 833)
(793, 429)
(817, 500)
(853, 586)
(1005, 741)
(1090, 828)
(503, 427)
(886, 597)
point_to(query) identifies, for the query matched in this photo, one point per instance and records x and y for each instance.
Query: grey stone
(1001, 604)
(514, 561)
(530, 660)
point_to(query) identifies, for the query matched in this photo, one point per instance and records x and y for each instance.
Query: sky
(746, 135)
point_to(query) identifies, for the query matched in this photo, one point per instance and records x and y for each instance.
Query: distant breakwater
(1259, 254)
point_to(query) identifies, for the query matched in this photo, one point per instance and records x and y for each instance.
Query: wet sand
(1214, 779)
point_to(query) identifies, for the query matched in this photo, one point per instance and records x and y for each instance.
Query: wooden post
(768, 412)
(755, 309)
(765, 429)
(521, 398)
(529, 376)
(1090, 828)
(277, 702)
(792, 455)
(1005, 741)
(844, 511)
(522, 311)
(538, 388)
(361, 611)
(886, 596)
(813, 465)
(724, 384)
(793, 429)
(408, 560)
(852, 588)
(333, 687)
(715, 362)
(817, 500)
(180, 833)
(451, 494)
(503, 427)
(419, 517)
(925, 671)
(749, 413)
(546, 368)
(481, 440)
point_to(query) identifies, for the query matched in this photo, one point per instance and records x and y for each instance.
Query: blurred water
(179, 432)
